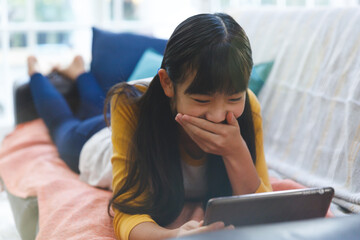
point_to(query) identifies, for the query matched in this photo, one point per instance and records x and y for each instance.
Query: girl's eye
(235, 99)
(201, 101)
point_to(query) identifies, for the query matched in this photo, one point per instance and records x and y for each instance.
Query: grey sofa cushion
(26, 215)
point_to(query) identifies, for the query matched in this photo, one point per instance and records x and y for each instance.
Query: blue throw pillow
(115, 55)
(259, 74)
(147, 66)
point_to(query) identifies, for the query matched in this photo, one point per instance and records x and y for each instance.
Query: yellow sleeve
(123, 122)
(260, 165)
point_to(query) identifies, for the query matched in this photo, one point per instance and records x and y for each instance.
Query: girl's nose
(217, 115)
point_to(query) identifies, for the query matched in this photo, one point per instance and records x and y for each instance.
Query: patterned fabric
(311, 100)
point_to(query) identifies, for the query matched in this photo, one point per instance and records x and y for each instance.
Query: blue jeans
(69, 130)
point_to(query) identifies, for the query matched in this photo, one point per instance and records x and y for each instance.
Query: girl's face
(210, 107)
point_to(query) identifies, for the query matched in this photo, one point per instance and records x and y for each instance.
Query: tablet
(270, 207)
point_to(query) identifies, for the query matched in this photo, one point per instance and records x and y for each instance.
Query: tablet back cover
(271, 207)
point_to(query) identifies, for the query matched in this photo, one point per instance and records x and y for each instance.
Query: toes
(78, 61)
(78, 58)
(31, 60)
(32, 65)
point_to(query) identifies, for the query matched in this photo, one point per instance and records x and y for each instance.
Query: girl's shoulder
(126, 95)
(124, 104)
(256, 112)
(141, 87)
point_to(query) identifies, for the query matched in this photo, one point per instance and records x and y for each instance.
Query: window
(16, 11)
(55, 30)
(46, 28)
(18, 40)
(53, 11)
(230, 4)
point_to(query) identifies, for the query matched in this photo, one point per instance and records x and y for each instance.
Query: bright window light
(56, 30)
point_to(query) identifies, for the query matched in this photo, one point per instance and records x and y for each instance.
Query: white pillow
(95, 160)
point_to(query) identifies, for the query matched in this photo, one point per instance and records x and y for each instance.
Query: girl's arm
(152, 231)
(235, 170)
(122, 128)
(261, 166)
(241, 171)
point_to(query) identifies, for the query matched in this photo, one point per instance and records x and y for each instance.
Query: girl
(193, 134)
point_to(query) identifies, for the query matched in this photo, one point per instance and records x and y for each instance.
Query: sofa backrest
(311, 100)
(115, 55)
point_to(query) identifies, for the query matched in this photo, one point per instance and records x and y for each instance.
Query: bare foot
(33, 65)
(76, 68)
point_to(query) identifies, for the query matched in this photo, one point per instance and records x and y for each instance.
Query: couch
(307, 78)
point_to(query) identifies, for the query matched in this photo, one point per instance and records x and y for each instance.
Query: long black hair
(216, 48)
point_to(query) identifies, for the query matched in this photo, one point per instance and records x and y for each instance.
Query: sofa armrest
(24, 108)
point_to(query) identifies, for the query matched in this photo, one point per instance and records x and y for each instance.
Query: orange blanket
(68, 207)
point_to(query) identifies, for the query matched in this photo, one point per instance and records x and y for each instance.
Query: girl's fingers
(219, 129)
(208, 141)
(201, 223)
(195, 130)
(203, 142)
(200, 133)
(189, 228)
(193, 224)
(209, 228)
(214, 226)
(230, 227)
(231, 120)
(201, 123)
(198, 214)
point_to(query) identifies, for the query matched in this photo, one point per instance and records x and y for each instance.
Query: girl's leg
(68, 133)
(91, 95)
(72, 135)
(49, 103)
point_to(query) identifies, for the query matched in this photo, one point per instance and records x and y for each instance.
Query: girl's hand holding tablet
(195, 227)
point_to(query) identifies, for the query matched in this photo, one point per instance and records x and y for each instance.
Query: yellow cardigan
(123, 123)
